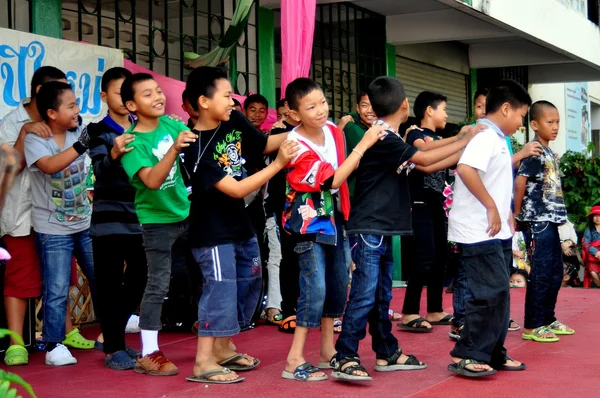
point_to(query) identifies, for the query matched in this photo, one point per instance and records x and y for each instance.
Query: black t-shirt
(424, 187)
(381, 203)
(275, 197)
(231, 149)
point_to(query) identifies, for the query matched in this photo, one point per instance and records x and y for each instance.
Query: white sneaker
(60, 356)
(133, 324)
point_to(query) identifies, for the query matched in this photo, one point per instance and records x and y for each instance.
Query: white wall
(555, 93)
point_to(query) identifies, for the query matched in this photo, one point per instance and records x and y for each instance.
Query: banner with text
(577, 118)
(21, 54)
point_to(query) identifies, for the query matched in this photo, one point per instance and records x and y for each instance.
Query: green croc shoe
(75, 339)
(16, 355)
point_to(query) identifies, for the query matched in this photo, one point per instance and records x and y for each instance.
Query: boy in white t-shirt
(482, 222)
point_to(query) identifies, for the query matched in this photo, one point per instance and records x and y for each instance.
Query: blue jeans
(545, 253)
(56, 253)
(370, 297)
(460, 295)
(324, 276)
(232, 275)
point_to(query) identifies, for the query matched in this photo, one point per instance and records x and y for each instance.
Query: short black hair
(386, 95)
(202, 82)
(299, 89)
(43, 75)
(255, 98)
(236, 103)
(184, 96)
(538, 108)
(519, 271)
(481, 91)
(360, 95)
(128, 87)
(49, 97)
(427, 99)
(113, 74)
(506, 91)
(280, 103)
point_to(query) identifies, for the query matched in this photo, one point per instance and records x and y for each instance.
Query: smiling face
(313, 110)
(148, 99)
(220, 105)
(365, 111)
(67, 114)
(256, 113)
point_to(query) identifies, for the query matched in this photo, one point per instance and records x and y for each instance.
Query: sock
(149, 341)
(50, 346)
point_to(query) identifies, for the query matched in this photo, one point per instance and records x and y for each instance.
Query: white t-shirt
(488, 153)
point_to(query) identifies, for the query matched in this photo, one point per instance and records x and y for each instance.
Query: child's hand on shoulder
(532, 148)
(185, 138)
(41, 129)
(373, 134)
(287, 151)
(119, 147)
(469, 132)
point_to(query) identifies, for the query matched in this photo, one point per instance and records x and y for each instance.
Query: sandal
(445, 321)
(513, 326)
(415, 326)
(347, 373)
(231, 363)
(328, 365)
(539, 334)
(394, 316)
(411, 363)
(504, 367)
(206, 377)
(461, 369)
(337, 324)
(275, 320)
(16, 355)
(120, 360)
(75, 339)
(558, 327)
(288, 325)
(303, 372)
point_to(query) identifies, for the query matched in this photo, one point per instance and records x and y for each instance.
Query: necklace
(205, 147)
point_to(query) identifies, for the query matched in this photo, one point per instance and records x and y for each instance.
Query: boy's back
(488, 153)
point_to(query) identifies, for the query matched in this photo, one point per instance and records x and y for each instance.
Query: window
(15, 15)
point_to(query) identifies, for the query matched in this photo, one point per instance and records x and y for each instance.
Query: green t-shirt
(169, 203)
(354, 132)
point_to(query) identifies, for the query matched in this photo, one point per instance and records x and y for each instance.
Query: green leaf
(15, 379)
(6, 332)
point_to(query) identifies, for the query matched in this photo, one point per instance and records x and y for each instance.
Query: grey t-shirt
(60, 202)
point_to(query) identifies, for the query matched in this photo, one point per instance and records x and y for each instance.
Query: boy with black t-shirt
(223, 241)
(381, 209)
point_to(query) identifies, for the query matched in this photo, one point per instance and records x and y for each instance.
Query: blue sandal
(303, 372)
(120, 360)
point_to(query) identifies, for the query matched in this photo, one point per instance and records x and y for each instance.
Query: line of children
(540, 209)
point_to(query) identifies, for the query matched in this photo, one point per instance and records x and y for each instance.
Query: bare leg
(68, 322)
(327, 345)
(595, 278)
(15, 315)
(296, 355)
(205, 360)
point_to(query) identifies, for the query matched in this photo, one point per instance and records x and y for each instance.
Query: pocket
(303, 247)
(307, 261)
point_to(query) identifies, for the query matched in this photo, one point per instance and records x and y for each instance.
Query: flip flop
(412, 363)
(75, 339)
(537, 335)
(275, 320)
(460, 368)
(445, 321)
(415, 326)
(522, 366)
(16, 355)
(514, 328)
(231, 363)
(558, 327)
(288, 325)
(303, 372)
(205, 377)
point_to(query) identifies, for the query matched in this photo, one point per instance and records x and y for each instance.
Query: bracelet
(358, 152)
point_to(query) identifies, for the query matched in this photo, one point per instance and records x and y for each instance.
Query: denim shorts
(232, 282)
(324, 275)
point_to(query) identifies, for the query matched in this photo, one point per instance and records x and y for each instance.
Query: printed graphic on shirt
(552, 188)
(69, 193)
(160, 151)
(228, 153)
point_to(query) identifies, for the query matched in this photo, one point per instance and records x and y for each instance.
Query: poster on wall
(577, 118)
(21, 54)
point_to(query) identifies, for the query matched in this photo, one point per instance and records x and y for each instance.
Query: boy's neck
(56, 129)
(428, 124)
(393, 120)
(291, 121)
(122, 120)
(146, 124)
(542, 141)
(311, 132)
(206, 123)
(32, 111)
(497, 120)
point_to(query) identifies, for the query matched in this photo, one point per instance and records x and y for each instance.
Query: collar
(114, 125)
(385, 125)
(21, 112)
(491, 125)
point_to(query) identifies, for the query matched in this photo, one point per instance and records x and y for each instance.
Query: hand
(519, 254)
(40, 129)
(411, 128)
(532, 148)
(494, 222)
(597, 255)
(278, 125)
(184, 139)
(121, 142)
(287, 152)
(472, 131)
(84, 138)
(373, 134)
(175, 117)
(344, 121)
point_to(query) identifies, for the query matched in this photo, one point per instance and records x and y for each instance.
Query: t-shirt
(60, 202)
(169, 203)
(275, 192)
(488, 153)
(231, 149)
(381, 203)
(543, 200)
(354, 132)
(421, 184)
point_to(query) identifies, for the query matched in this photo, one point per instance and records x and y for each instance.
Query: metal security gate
(418, 77)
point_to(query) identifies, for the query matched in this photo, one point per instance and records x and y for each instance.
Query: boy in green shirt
(161, 203)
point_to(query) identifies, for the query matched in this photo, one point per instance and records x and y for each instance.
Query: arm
(470, 177)
(532, 148)
(40, 129)
(103, 158)
(442, 165)
(433, 156)
(56, 163)
(520, 186)
(274, 142)
(421, 145)
(353, 134)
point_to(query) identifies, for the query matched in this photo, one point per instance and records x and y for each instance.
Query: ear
(429, 111)
(103, 96)
(404, 105)
(505, 109)
(294, 115)
(37, 89)
(534, 125)
(357, 108)
(203, 102)
(52, 114)
(130, 105)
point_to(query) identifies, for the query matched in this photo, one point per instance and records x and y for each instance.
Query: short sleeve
(414, 135)
(211, 172)
(531, 166)
(8, 132)
(35, 149)
(479, 151)
(136, 160)
(253, 141)
(392, 152)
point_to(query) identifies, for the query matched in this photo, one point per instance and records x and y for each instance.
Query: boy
(224, 244)
(61, 209)
(481, 222)
(255, 108)
(115, 228)
(317, 205)
(540, 210)
(187, 108)
(282, 110)
(22, 278)
(161, 203)
(381, 209)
